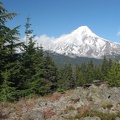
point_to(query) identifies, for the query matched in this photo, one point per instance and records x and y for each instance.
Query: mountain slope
(61, 60)
(82, 42)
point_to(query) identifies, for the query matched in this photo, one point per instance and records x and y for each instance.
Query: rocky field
(93, 103)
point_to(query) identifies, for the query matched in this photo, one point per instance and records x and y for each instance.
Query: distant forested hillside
(60, 60)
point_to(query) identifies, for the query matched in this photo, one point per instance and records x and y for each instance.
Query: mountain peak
(82, 42)
(83, 30)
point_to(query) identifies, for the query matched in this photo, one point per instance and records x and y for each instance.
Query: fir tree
(8, 46)
(4, 37)
(39, 83)
(27, 60)
(90, 72)
(7, 93)
(80, 76)
(105, 67)
(98, 74)
(113, 76)
(67, 77)
(60, 81)
(50, 71)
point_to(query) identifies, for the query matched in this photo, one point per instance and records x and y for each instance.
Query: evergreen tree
(98, 74)
(80, 77)
(67, 77)
(8, 55)
(7, 93)
(86, 70)
(90, 71)
(8, 39)
(105, 68)
(60, 81)
(39, 70)
(74, 76)
(110, 63)
(4, 37)
(27, 59)
(50, 71)
(113, 76)
(39, 83)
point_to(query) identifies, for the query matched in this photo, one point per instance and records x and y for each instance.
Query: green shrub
(103, 116)
(108, 106)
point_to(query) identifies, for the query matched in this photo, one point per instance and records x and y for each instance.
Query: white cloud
(118, 33)
(45, 41)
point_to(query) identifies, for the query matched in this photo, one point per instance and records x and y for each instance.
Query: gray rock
(96, 107)
(117, 118)
(35, 115)
(104, 94)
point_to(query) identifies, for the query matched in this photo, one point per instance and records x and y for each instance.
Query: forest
(34, 72)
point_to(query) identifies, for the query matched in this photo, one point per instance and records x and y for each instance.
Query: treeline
(33, 72)
(70, 77)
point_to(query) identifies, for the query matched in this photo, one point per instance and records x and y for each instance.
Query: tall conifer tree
(113, 76)
(8, 45)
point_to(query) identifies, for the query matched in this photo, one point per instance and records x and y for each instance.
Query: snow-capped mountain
(82, 42)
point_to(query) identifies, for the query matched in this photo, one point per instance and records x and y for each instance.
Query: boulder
(117, 118)
(35, 114)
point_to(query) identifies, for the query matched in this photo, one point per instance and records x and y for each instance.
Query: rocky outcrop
(34, 114)
(93, 103)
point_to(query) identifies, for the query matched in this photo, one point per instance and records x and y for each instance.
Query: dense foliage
(32, 71)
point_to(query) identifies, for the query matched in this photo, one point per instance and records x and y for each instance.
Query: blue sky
(57, 17)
